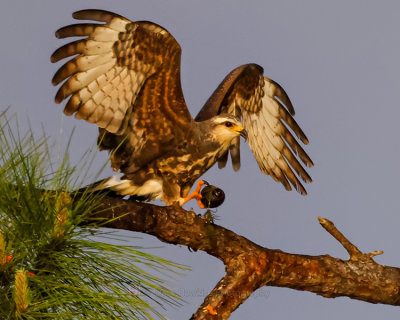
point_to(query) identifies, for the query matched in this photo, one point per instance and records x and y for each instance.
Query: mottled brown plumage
(125, 78)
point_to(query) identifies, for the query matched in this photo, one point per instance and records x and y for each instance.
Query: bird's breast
(187, 167)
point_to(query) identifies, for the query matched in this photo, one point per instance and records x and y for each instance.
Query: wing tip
(95, 14)
(60, 95)
(58, 77)
(60, 33)
(59, 54)
(84, 13)
(300, 189)
(290, 181)
(221, 164)
(284, 97)
(55, 56)
(57, 100)
(68, 112)
(54, 81)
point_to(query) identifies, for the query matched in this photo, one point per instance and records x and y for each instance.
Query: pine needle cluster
(50, 268)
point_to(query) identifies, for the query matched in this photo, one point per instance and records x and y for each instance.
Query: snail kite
(125, 78)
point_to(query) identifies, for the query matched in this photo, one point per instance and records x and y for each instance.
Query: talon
(196, 194)
(201, 205)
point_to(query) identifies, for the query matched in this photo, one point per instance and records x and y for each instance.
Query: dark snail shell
(212, 196)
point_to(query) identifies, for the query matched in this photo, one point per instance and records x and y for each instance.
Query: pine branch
(49, 267)
(250, 266)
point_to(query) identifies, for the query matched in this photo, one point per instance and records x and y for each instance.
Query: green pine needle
(72, 272)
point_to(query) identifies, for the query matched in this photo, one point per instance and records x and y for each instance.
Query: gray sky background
(339, 63)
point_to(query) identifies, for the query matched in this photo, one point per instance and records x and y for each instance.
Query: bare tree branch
(354, 252)
(250, 266)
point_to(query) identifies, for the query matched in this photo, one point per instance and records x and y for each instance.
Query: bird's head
(225, 127)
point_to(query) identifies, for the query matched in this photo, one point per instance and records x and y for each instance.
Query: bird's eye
(228, 124)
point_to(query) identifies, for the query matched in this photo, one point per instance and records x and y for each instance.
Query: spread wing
(267, 115)
(125, 78)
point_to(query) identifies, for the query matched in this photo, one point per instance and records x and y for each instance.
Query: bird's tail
(100, 187)
(114, 186)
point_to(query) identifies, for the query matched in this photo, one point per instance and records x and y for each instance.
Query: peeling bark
(250, 266)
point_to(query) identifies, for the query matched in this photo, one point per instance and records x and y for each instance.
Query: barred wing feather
(267, 115)
(112, 64)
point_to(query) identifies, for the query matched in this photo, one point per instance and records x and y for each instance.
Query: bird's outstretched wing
(125, 78)
(267, 115)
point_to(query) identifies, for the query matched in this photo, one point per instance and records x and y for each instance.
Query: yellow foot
(196, 195)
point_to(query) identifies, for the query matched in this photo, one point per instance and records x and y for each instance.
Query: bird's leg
(196, 194)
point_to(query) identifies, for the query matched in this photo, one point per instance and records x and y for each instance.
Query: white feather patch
(127, 187)
(153, 186)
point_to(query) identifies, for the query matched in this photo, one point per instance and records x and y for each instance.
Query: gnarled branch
(250, 266)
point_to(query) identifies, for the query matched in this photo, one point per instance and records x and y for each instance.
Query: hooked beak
(243, 133)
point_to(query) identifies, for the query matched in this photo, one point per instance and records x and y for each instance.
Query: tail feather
(115, 186)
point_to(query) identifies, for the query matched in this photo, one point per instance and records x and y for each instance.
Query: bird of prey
(125, 77)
